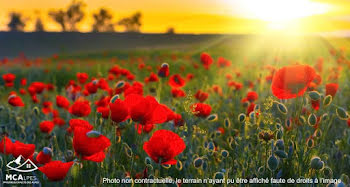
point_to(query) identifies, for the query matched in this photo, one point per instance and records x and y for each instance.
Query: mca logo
(22, 165)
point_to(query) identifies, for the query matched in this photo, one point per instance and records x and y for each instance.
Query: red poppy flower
(58, 121)
(201, 109)
(74, 123)
(221, 130)
(144, 128)
(201, 96)
(152, 78)
(250, 108)
(206, 60)
(82, 77)
(80, 108)
(104, 111)
(47, 107)
(90, 145)
(292, 81)
(331, 89)
(136, 88)
(15, 100)
(252, 96)
(164, 70)
(145, 110)
(44, 156)
(50, 87)
(92, 87)
(222, 62)
(22, 91)
(6, 145)
(178, 121)
(62, 102)
(46, 126)
(176, 81)
(8, 79)
(175, 92)
(26, 150)
(163, 146)
(103, 84)
(38, 87)
(23, 82)
(347, 122)
(56, 170)
(315, 104)
(119, 111)
(189, 76)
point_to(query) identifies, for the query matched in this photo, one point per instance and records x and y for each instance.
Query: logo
(27, 166)
(18, 166)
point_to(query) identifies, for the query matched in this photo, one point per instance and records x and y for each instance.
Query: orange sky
(199, 16)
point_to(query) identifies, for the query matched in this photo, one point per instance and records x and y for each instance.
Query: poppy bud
(114, 98)
(310, 143)
(327, 100)
(164, 70)
(279, 134)
(93, 134)
(302, 120)
(36, 111)
(197, 163)
(128, 150)
(47, 150)
(120, 84)
(341, 113)
(272, 162)
(2, 108)
(241, 117)
(261, 170)
(314, 95)
(95, 82)
(324, 117)
(280, 144)
(211, 146)
(212, 117)
(316, 163)
(219, 175)
(327, 172)
(288, 124)
(166, 166)
(148, 161)
(282, 108)
(312, 120)
(318, 133)
(224, 153)
(227, 123)
(179, 165)
(281, 154)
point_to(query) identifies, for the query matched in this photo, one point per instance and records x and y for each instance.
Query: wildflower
(163, 146)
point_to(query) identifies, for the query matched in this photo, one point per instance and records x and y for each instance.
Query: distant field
(46, 44)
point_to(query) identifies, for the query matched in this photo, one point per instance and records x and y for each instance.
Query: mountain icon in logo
(22, 165)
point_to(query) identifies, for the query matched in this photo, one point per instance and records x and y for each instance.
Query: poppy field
(236, 112)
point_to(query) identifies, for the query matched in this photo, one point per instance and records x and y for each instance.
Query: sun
(279, 14)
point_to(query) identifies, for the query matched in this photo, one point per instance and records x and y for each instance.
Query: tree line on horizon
(69, 18)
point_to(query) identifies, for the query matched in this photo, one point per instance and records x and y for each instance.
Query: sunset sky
(200, 16)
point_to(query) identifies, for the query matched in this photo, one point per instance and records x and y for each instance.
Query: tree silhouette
(39, 26)
(132, 23)
(59, 17)
(68, 19)
(17, 23)
(170, 30)
(103, 21)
